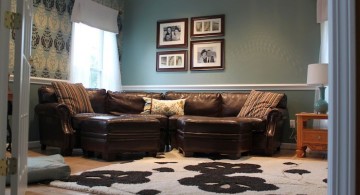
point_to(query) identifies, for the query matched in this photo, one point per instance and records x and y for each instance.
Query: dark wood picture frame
(206, 26)
(207, 54)
(171, 61)
(172, 33)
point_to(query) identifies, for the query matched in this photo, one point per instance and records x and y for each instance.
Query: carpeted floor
(171, 173)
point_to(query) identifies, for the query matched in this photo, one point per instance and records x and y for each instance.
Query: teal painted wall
(266, 41)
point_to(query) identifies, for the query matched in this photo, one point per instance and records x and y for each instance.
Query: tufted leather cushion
(74, 96)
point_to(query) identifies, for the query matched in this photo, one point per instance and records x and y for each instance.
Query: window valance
(95, 15)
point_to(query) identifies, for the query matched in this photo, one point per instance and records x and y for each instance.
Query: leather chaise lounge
(211, 123)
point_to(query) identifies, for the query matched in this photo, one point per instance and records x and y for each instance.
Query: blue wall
(266, 41)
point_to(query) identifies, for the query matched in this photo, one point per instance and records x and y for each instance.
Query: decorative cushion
(74, 96)
(259, 104)
(164, 107)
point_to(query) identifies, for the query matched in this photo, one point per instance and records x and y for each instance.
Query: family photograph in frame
(168, 61)
(207, 55)
(172, 33)
(204, 26)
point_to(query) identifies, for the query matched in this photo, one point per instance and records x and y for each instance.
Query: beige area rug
(171, 173)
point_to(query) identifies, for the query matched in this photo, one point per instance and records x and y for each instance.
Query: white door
(4, 61)
(21, 91)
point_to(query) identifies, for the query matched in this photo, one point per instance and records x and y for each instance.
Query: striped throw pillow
(74, 96)
(259, 104)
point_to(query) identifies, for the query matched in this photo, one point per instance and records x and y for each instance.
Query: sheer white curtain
(94, 51)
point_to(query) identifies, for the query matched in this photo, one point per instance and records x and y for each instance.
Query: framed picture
(168, 61)
(207, 55)
(172, 33)
(208, 26)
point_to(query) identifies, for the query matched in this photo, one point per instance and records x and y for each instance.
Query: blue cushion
(46, 168)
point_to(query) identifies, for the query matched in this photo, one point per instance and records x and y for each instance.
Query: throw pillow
(74, 96)
(164, 107)
(259, 104)
(147, 106)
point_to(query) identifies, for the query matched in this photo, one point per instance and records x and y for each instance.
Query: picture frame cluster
(205, 54)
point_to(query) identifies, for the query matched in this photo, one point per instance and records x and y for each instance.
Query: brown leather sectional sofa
(210, 123)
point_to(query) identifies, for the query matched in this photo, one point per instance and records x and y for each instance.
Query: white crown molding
(220, 87)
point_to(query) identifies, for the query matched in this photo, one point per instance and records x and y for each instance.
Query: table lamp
(317, 74)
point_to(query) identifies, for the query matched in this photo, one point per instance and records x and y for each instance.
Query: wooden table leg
(300, 152)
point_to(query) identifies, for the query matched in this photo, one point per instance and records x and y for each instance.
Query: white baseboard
(288, 146)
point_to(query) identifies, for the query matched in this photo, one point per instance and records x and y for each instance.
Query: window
(94, 58)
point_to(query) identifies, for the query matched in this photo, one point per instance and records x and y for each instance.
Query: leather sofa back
(128, 102)
(232, 103)
(46, 94)
(199, 104)
(97, 99)
(283, 102)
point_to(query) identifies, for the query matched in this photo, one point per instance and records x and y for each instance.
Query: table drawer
(310, 136)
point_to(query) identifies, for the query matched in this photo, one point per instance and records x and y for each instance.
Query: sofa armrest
(275, 118)
(59, 111)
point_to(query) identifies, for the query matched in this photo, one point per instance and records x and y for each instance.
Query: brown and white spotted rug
(171, 173)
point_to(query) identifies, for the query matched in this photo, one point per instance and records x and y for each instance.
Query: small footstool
(111, 135)
(227, 135)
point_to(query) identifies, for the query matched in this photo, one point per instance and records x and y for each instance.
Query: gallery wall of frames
(206, 51)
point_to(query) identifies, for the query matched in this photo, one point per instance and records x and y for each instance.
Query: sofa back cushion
(199, 104)
(97, 99)
(232, 103)
(46, 94)
(128, 102)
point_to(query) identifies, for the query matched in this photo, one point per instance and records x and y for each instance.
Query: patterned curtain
(51, 37)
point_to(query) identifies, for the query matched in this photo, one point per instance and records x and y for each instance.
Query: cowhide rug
(171, 173)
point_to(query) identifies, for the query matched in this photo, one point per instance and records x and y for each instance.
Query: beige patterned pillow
(147, 106)
(164, 107)
(74, 96)
(259, 104)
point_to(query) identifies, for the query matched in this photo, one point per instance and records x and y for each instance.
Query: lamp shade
(317, 74)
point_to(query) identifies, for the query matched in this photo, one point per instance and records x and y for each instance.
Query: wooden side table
(315, 139)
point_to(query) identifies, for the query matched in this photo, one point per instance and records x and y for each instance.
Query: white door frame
(342, 94)
(20, 114)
